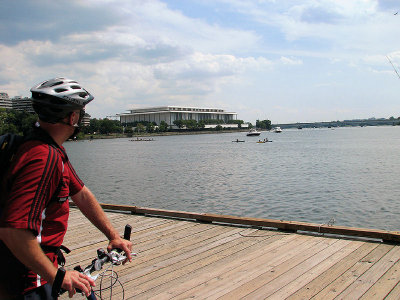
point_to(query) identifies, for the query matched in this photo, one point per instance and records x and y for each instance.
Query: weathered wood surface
(390, 236)
(180, 259)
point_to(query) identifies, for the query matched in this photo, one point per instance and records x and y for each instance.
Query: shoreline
(169, 133)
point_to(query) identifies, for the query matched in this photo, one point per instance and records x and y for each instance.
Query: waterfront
(313, 175)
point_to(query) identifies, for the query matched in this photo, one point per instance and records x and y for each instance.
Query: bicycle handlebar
(115, 257)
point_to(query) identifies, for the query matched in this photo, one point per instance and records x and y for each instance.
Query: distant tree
(218, 127)
(94, 126)
(163, 127)
(239, 122)
(108, 126)
(28, 122)
(179, 123)
(150, 127)
(128, 131)
(190, 124)
(264, 124)
(19, 122)
(9, 128)
(140, 127)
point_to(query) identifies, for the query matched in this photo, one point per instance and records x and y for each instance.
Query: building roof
(171, 108)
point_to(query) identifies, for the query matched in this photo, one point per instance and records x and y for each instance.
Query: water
(310, 175)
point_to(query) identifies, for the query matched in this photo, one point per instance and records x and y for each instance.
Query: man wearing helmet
(35, 213)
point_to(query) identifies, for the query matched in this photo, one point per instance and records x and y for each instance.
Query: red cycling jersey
(35, 175)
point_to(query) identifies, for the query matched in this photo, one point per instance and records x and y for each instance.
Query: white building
(22, 104)
(169, 114)
(16, 103)
(5, 101)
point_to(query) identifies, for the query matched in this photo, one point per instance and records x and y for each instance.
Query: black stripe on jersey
(73, 172)
(39, 202)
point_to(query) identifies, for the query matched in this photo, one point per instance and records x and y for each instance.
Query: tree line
(21, 122)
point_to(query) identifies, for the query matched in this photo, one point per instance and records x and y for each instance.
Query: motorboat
(277, 130)
(253, 132)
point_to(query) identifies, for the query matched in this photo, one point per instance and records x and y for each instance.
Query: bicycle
(115, 258)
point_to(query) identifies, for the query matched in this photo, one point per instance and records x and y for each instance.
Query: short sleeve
(35, 174)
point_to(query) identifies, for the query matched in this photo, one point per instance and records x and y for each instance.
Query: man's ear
(70, 119)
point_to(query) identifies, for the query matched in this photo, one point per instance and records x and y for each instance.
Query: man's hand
(124, 245)
(74, 280)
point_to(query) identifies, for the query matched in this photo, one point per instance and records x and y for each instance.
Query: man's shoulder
(35, 147)
(36, 151)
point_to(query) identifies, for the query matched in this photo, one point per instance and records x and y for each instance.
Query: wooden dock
(182, 259)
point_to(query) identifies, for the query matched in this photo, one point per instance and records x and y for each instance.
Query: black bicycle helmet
(54, 99)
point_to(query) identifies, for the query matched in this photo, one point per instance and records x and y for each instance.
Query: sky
(282, 60)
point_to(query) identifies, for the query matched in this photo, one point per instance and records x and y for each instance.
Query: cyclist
(35, 209)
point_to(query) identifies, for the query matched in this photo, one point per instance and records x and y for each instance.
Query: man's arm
(23, 244)
(87, 203)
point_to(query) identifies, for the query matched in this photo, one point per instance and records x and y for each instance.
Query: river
(311, 175)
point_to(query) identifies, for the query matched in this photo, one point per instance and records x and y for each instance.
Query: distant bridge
(345, 123)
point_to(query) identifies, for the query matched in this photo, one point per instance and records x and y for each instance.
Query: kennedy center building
(169, 114)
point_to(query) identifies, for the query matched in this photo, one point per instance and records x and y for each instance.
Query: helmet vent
(60, 90)
(82, 95)
(56, 83)
(75, 87)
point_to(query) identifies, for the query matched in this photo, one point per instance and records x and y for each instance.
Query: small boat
(238, 141)
(142, 140)
(264, 141)
(253, 132)
(277, 130)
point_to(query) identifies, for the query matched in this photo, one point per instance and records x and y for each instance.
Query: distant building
(169, 114)
(5, 101)
(22, 104)
(16, 103)
(86, 120)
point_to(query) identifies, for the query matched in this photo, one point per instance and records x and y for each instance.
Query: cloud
(50, 20)
(291, 61)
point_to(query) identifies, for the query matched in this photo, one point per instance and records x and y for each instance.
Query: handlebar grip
(127, 232)
(127, 235)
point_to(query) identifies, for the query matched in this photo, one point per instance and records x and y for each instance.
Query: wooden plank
(218, 249)
(276, 267)
(171, 254)
(187, 263)
(225, 282)
(394, 294)
(159, 230)
(179, 240)
(281, 281)
(280, 266)
(314, 272)
(385, 284)
(332, 290)
(332, 273)
(204, 275)
(372, 275)
(283, 225)
(91, 235)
